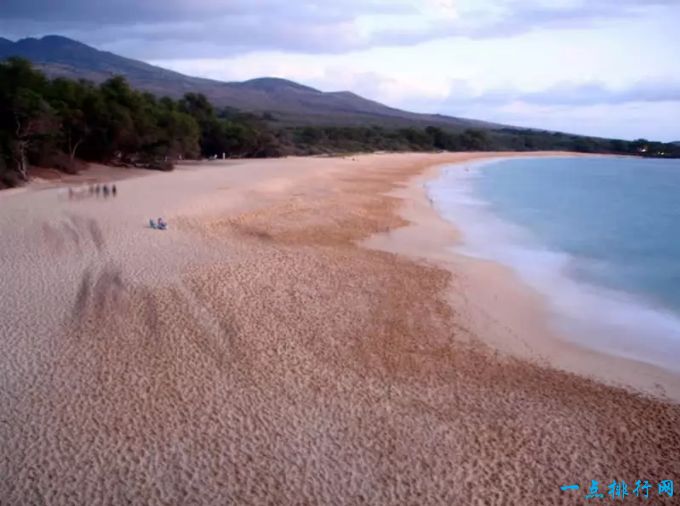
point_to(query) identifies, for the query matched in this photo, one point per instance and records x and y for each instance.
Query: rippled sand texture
(254, 354)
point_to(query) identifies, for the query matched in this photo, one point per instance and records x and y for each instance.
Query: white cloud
(577, 94)
(162, 29)
(627, 121)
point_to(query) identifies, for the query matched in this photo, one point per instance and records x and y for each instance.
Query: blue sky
(600, 67)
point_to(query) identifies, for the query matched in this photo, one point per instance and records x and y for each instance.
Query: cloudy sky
(601, 67)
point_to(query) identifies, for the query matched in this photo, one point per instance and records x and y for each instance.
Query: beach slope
(281, 343)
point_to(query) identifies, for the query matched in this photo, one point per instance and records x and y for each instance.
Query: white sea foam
(606, 320)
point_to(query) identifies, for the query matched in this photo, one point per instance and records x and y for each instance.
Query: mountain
(288, 102)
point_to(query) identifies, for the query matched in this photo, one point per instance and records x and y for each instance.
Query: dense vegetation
(316, 140)
(57, 122)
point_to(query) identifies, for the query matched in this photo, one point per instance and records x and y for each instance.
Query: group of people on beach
(91, 190)
(103, 189)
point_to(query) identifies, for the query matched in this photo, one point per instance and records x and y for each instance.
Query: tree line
(317, 140)
(58, 122)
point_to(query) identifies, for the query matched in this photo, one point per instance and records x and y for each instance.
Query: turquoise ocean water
(598, 237)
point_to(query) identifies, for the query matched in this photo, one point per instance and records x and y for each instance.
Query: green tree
(68, 99)
(25, 117)
(475, 140)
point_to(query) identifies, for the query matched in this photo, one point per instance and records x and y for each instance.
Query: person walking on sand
(105, 190)
(114, 191)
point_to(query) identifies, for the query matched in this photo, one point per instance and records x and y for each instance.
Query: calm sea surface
(599, 237)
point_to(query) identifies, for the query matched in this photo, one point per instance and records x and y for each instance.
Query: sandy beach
(302, 334)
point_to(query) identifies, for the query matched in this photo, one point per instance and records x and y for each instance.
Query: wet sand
(287, 341)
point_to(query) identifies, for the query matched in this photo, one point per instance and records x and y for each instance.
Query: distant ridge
(286, 101)
(275, 84)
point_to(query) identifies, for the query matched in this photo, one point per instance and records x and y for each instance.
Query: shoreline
(506, 313)
(521, 328)
(257, 352)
